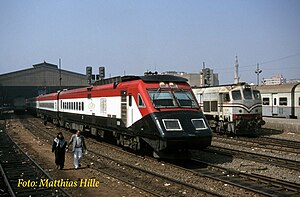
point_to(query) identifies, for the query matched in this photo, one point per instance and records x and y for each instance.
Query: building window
(283, 101)
(266, 101)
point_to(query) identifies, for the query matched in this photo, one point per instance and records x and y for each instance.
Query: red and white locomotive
(159, 112)
(235, 109)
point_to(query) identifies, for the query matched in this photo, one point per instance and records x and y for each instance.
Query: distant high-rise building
(274, 80)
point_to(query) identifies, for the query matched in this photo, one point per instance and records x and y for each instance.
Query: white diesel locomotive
(235, 109)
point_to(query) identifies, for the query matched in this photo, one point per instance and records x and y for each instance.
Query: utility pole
(258, 71)
(59, 63)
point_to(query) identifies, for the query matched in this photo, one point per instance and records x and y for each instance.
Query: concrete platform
(282, 124)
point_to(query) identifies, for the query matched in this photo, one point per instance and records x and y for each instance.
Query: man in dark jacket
(78, 147)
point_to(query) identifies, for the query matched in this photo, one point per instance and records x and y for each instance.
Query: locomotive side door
(275, 103)
(124, 107)
(221, 100)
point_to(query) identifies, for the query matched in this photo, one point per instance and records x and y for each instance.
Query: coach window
(299, 101)
(236, 95)
(140, 101)
(214, 106)
(82, 105)
(266, 101)
(206, 106)
(283, 101)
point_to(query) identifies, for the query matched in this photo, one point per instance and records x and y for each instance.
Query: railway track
(281, 162)
(155, 184)
(22, 175)
(253, 182)
(134, 172)
(281, 145)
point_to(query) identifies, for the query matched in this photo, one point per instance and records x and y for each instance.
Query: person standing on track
(59, 148)
(78, 145)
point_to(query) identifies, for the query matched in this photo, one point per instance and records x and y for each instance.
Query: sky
(133, 36)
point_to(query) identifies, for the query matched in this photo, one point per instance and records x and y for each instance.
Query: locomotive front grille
(172, 124)
(199, 124)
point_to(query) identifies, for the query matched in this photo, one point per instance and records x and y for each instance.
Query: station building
(40, 79)
(206, 77)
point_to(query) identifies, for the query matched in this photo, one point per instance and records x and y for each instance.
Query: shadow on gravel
(199, 160)
(210, 157)
(268, 132)
(199, 156)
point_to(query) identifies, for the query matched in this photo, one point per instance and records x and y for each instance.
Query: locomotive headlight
(163, 85)
(199, 124)
(173, 85)
(172, 124)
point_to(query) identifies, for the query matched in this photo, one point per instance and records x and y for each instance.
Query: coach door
(221, 101)
(275, 103)
(124, 107)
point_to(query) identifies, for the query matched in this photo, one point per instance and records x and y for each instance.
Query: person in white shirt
(78, 147)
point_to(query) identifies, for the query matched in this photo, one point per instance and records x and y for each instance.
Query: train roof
(277, 88)
(146, 78)
(222, 86)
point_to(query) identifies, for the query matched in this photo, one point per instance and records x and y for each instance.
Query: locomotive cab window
(161, 98)
(236, 95)
(185, 99)
(283, 101)
(247, 93)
